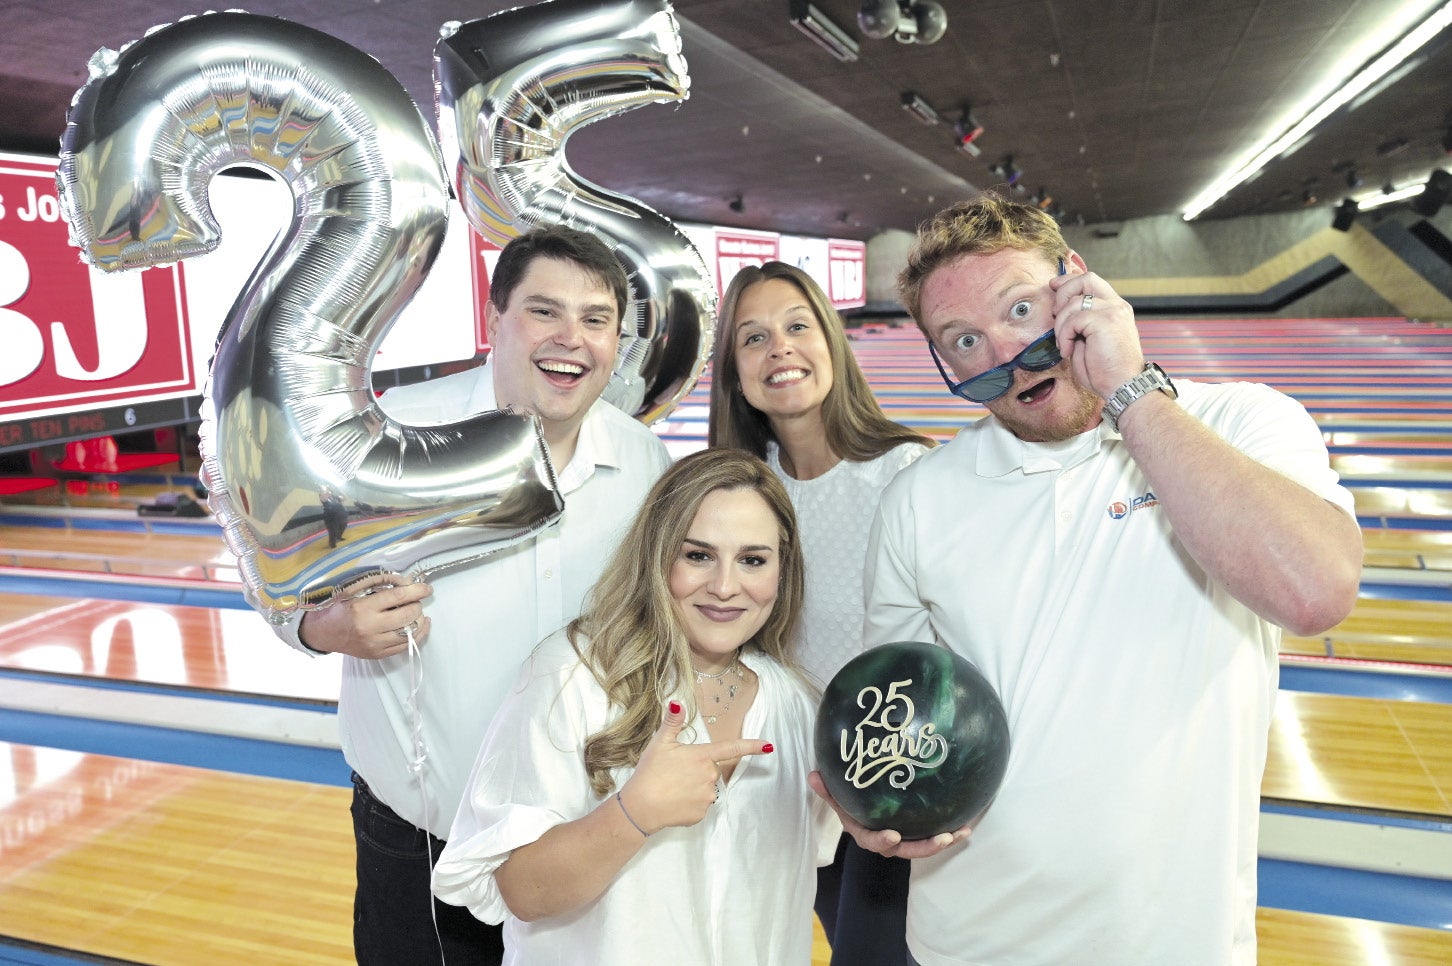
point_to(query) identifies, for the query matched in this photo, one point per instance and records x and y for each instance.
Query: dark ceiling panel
(1119, 108)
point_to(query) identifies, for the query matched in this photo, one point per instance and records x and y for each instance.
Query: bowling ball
(909, 736)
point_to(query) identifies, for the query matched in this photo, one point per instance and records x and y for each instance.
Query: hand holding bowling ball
(911, 737)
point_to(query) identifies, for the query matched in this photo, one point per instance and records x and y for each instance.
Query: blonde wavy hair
(856, 427)
(629, 635)
(987, 224)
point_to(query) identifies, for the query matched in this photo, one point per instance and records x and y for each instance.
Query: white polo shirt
(488, 616)
(1138, 692)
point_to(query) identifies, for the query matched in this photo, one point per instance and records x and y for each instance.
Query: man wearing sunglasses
(1117, 552)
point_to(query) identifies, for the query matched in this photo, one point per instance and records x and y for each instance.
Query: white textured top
(1138, 691)
(834, 516)
(735, 889)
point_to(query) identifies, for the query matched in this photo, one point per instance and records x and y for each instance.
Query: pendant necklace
(725, 690)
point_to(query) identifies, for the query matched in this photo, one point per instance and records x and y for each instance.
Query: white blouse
(735, 889)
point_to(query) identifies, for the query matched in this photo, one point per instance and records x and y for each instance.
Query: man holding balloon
(427, 663)
(1117, 553)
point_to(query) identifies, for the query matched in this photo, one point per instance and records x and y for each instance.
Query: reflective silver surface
(511, 89)
(313, 483)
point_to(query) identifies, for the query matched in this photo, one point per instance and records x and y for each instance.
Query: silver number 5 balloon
(313, 482)
(511, 89)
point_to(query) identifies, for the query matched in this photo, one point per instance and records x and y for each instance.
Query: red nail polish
(675, 707)
(767, 748)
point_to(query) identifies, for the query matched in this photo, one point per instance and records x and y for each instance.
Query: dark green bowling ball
(911, 737)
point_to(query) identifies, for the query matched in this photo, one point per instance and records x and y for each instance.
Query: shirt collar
(596, 447)
(1001, 452)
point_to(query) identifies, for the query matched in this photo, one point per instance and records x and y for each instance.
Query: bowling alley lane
(152, 863)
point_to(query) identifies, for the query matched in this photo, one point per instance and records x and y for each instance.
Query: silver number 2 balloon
(511, 89)
(313, 482)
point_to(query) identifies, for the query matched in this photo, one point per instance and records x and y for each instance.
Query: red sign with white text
(72, 338)
(483, 254)
(736, 249)
(847, 272)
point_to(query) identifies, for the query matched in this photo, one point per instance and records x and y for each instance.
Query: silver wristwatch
(1152, 378)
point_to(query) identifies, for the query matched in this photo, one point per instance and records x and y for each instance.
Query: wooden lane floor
(1385, 629)
(201, 648)
(1361, 753)
(154, 863)
(202, 556)
(159, 864)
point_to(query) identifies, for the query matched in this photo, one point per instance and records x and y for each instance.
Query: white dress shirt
(415, 750)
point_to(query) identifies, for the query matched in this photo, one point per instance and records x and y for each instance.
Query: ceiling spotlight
(1345, 215)
(908, 21)
(919, 108)
(878, 18)
(1353, 180)
(1006, 171)
(1434, 195)
(826, 34)
(737, 204)
(967, 127)
(922, 22)
(1391, 146)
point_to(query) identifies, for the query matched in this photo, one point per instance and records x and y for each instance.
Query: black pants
(862, 903)
(394, 911)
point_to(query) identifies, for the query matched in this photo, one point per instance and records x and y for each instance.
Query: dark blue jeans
(862, 903)
(394, 911)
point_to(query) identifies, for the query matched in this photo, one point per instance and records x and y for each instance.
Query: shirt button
(548, 574)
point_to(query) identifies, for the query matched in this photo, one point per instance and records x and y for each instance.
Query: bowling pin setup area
(171, 789)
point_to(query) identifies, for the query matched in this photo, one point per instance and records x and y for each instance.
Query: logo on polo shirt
(1118, 510)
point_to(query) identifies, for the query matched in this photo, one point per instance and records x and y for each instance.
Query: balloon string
(416, 766)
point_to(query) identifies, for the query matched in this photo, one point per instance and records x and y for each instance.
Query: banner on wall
(76, 339)
(839, 265)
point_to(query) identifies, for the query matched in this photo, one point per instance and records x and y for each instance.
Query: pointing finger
(725, 752)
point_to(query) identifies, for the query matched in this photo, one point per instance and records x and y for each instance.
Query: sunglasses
(1038, 355)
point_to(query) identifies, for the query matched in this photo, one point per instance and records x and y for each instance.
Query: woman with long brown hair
(786, 387)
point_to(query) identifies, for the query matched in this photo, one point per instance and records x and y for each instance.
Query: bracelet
(621, 802)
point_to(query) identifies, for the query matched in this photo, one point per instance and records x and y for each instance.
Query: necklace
(724, 695)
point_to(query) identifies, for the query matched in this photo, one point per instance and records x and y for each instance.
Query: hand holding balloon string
(675, 783)
(374, 621)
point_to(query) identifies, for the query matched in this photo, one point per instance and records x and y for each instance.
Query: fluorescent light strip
(818, 26)
(1412, 41)
(1378, 198)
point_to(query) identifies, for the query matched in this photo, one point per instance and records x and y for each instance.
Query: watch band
(1151, 379)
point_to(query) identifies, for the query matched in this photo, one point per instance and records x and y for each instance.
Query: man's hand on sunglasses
(1096, 332)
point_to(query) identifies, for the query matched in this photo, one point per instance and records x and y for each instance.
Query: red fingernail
(675, 707)
(767, 748)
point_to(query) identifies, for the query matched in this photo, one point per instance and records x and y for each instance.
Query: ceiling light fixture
(1006, 171)
(919, 108)
(1390, 193)
(967, 128)
(818, 26)
(907, 21)
(1345, 215)
(1411, 41)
